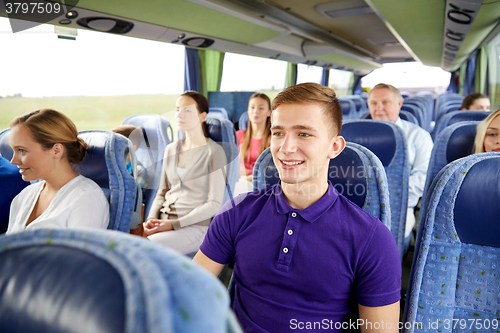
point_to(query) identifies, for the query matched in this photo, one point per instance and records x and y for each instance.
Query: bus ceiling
(353, 35)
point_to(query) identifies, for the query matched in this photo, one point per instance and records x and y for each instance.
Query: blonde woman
(46, 146)
(488, 134)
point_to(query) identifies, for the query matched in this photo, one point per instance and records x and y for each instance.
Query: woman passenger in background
(488, 134)
(476, 102)
(256, 138)
(192, 182)
(47, 147)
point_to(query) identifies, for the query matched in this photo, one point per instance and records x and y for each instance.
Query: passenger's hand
(249, 178)
(152, 226)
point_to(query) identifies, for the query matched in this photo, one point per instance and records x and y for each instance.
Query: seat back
(356, 173)
(222, 131)
(218, 112)
(105, 163)
(104, 281)
(415, 111)
(454, 142)
(5, 150)
(243, 121)
(388, 142)
(456, 117)
(455, 277)
(404, 115)
(235, 102)
(150, 152)
(348, 108)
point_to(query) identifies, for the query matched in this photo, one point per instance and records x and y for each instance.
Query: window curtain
(453, 86)
(356, 86)
(291, 75)
(211, 65)
(325, 76)
(191, 70)
(470, 76)
(494, 72)
(481, 70)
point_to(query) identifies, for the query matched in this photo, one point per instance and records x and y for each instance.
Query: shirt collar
(399, 122)
(311, 213)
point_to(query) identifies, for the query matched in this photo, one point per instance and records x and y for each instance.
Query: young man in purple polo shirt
(305, 256)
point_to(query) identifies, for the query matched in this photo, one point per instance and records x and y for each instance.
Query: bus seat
(388, 142)
(404, 115)
(348, 109)
(217, 111)
(222, 131)
(5, 150)
(456, 117)
(415, 111)
(105, 163)
(426, 104)
(446, 108)
(454, 142)
(104, 281)
(445, 98)
(155, 130)
(243, 122)
(367, 189)
(235, 102)
(455, 274)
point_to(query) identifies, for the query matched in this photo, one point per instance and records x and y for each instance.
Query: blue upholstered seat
(235, 102)
(348, 108)
(356, 173)
(454, 142)
(388, 142)
(150, 152)
(455, 273)
(5, 150)
(243, 121)
(404, 115)
(453, 117)
(445, 98)
(416, 112)
(218, 112)
(104, 281)
(105, 164)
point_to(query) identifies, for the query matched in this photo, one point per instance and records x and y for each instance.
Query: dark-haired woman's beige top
(196, 196)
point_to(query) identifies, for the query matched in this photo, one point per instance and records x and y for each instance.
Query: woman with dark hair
(192, 182)
(256, 138)
(476, 102)
(47, 147)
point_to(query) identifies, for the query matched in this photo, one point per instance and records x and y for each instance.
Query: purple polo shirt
(309, 265)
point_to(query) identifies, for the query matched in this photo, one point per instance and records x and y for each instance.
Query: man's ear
(338, 144)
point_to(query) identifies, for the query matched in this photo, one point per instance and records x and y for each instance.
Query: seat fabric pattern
(456, 275)
(164, 291)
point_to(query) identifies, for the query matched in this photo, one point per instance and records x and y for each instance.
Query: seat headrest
(53, 288)
(346, 173)
(477, 209)
(94, 166)
(5, 150)
(460, 116)
(346, 106)
(348, 176)
(461, 142)
(214, 126)
(377, 136)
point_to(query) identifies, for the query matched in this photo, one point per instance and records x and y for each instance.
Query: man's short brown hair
(313, 93)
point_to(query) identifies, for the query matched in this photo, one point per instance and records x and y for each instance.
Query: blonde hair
(266, 140)
(481, 132)
(395, 90)
(48, 127)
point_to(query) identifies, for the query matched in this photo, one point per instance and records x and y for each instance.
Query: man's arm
(213, 267)
(385, 318)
